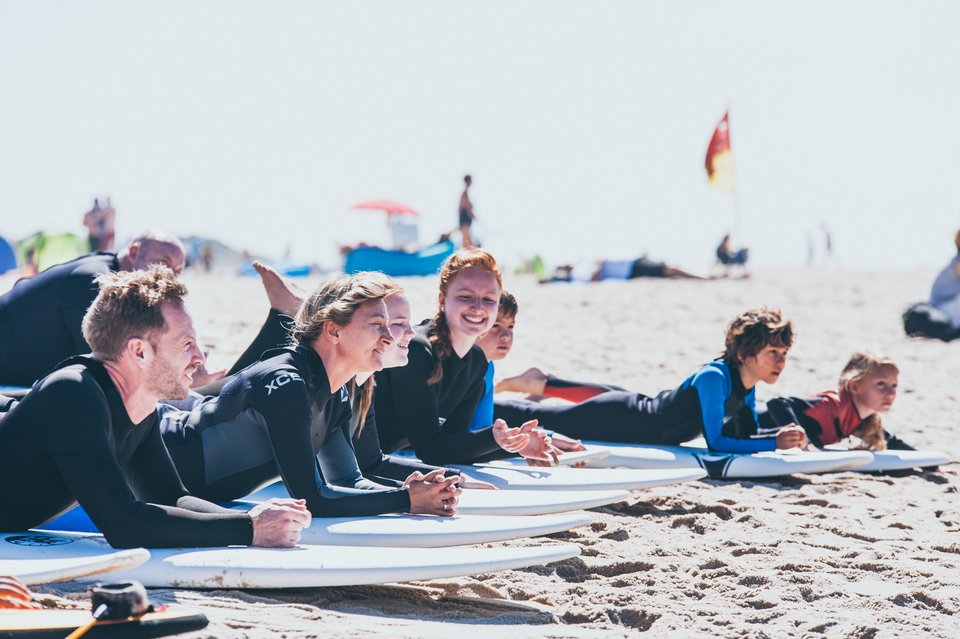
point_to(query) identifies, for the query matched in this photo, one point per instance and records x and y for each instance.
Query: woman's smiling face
(398, 312)
(470, 304)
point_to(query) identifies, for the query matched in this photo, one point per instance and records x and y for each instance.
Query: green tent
(51, 249)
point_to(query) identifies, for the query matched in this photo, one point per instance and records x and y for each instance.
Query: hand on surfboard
(511, 440)
(539, 450)
(433, 494)
(277, 523)
(13, 594)
(568, 445)
(791, 436)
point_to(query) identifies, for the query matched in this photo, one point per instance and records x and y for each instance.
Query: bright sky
(584, 124)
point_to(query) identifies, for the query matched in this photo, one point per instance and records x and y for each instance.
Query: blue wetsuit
(711, 402)
(483, 416)
(71, 440)
(276, 417)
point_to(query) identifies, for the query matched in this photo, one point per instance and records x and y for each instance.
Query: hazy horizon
(584, 125)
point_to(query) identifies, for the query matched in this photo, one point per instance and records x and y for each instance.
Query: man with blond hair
(88, 432)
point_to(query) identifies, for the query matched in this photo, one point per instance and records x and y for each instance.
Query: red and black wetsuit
(827, 417)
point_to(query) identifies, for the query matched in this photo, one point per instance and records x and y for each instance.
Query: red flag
(719, 163)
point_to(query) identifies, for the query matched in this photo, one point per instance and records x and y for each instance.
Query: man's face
(497, 342)
(150, 252)
(176, 355)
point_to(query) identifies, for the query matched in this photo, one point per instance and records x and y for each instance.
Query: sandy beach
(839, 555)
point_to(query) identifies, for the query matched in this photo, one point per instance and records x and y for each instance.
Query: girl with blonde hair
(866, 389)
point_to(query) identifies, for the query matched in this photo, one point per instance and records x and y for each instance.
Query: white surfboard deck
(726, 465)
(535, 502)
(499, 503)
(401, 531)
(303, 566)
(509, 477)
(424, 531)
(886, 460)
(576, 457)
(38, 559)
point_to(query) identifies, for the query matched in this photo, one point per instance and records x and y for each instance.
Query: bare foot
(532, 381)
(282, 295)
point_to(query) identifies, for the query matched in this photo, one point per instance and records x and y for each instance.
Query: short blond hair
(129, 305)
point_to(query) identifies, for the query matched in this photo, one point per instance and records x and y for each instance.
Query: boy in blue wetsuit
(718, 401)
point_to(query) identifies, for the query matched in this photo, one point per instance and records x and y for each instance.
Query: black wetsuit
(375, 465)
(712, 402)
(71, 440)
(276, 417)
(671, 417)
(434, 418)
(40, 317)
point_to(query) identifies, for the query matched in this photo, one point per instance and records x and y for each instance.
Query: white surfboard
(510, 477)
(401, 531)
(887, 460)
(535, 502)
(300, 567)
(578, 457)
(36, 559)
(499, 503)
(412, 531)
(726, 465)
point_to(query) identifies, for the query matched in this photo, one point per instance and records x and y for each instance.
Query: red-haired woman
(428, 404)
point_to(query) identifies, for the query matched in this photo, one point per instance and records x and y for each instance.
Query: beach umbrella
(391, 207)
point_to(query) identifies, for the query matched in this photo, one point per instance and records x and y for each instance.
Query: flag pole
(736, 192)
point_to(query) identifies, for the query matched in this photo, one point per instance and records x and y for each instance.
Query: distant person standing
(99, 223)
(945, 293)
(466, 213)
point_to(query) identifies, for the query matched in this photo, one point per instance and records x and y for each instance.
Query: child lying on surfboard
(849, 414)
(718, 401)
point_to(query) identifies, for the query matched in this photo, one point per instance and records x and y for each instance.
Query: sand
(840, 555)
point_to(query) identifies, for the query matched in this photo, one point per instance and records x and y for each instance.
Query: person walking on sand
(466, 213)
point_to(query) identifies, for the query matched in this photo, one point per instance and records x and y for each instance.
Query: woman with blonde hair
(866, 389)
(282, 412)
(429, 403)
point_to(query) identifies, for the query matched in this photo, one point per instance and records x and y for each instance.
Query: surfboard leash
(115, 601)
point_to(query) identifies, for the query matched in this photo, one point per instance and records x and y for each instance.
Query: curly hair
(752, 331)
(129, 305)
